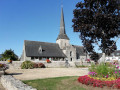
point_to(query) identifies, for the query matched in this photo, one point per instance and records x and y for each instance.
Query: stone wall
(54, 64)
(15, 64)
(10, 83)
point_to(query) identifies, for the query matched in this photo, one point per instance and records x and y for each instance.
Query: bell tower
(62, 38)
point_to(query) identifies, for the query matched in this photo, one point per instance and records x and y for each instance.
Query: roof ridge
(40, 41)
(77, 45)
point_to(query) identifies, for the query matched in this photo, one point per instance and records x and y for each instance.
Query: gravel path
(1, 87)
(29, 74)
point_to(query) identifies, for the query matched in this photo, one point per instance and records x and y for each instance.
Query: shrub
(103, 70)
(35, 65)
(41, 65)
(104, 74)
(92, 68)
(3, 66)
(27, 65)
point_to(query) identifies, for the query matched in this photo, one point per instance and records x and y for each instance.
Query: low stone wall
(15, 64)
(10, 83)
(85, 63)
(53, 64)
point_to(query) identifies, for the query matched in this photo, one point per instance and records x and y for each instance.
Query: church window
(36, 57)
(70, 53)
(44, 58)
(32, 58)
(40, 58)
(77, 55)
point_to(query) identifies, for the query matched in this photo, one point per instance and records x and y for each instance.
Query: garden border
(10, 83)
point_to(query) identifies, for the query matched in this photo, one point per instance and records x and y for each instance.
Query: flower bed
(105, 74)
(99, 83)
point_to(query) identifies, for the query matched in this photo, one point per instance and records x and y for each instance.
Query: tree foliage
(97, 21)
(9, 54)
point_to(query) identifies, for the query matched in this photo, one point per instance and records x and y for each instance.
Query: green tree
(9, 54)
(98, 23)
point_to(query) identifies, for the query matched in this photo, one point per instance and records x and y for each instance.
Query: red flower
(98, 83)
(48, 61)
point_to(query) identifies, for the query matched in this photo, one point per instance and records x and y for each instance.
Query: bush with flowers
(104, 74)
(3, 67)
(31, 65)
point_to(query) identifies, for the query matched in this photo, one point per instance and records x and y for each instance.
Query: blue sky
(37, 20)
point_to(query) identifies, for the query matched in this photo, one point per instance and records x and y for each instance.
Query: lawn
(58, 83)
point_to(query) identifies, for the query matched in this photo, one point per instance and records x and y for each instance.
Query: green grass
(81, 66)
(59, 83)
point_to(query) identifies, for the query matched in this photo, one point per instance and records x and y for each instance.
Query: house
(114, 56)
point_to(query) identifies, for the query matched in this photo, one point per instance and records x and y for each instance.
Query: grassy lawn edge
(57, 83)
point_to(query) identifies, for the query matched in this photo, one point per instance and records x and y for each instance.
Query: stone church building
(59, 51)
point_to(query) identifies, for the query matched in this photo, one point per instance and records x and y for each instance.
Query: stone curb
(10, 83)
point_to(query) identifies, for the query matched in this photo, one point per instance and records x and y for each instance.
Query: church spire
(62, 34)
(62, 24)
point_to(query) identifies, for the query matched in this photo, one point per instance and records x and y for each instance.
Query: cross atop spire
(62, 34)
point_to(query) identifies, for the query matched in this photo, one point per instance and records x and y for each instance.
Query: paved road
(29, 74)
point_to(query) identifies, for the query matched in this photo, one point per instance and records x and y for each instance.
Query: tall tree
(9, 54)
(97, 22)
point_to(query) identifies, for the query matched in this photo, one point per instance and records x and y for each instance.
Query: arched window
(77, 55)
(70, 53)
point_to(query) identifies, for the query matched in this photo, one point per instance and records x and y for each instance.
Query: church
(60, 51)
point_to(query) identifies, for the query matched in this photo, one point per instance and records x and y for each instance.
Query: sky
(36, 20)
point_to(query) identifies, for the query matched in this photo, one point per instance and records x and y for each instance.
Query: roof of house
(116, 53)
(43, 49)
(79, 50)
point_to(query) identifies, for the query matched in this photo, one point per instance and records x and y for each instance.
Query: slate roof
(62, 36)
(32, 48)
(79, 50)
